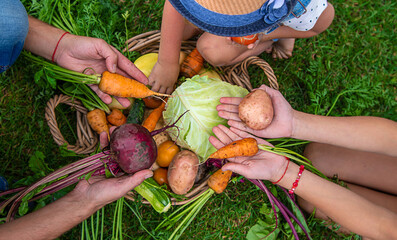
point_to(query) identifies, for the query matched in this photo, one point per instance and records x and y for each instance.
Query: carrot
(192, 64)
(151, 121)
(246, 40)
(120, 86)
(97, 120)
(116, 117)
(219, 180)
(244, 147)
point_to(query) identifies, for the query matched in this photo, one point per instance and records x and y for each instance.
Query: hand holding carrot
(281, 126)
(263, 165)
(95, 55)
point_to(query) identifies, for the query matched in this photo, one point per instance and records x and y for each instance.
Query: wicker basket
(146, 43)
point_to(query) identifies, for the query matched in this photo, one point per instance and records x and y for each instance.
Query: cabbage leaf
(199, 96)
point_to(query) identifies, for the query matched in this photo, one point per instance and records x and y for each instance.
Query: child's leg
(220, 51)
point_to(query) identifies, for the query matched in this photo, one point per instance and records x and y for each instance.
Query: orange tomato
(246, 40)
(160, 176)
(166, 152)
(152, 102)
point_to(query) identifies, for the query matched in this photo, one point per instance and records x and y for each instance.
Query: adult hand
(93, 55)
(104, 138)
(264, 165)
(98, 191)
(281, 126)
(163, 77)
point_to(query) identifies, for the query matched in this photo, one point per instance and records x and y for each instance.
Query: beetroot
(133, 148)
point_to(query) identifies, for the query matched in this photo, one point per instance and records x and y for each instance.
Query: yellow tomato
(146, 62)
(166, 152)
(209, 73)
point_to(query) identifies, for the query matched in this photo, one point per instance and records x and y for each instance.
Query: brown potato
(182, 171)
(256, 109)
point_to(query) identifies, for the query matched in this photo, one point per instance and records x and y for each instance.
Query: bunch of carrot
(111, 83)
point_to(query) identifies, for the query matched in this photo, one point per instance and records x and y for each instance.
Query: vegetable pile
(142, 141)
(199, 96)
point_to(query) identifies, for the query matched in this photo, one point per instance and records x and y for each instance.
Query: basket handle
(86, 140)
(238, 73)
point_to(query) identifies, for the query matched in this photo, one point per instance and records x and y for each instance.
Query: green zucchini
(151, 191)
(137, 111)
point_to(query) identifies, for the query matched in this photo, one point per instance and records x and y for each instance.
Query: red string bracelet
(295, 184)
(56, 47)
(283, 173)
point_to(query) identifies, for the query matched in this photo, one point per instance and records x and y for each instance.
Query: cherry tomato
(246, 40)
(152, 102)
(160, 176)
(166, 152)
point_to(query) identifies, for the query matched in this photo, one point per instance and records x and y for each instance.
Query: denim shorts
(14, 27)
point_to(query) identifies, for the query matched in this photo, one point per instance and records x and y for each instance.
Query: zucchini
(151, 191)
(137, 111)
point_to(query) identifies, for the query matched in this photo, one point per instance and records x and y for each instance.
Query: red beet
(133, 147)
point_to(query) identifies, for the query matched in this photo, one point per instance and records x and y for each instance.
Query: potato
(256, 109)
(182, 171)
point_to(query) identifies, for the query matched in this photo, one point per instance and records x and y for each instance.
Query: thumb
(237, 168)
(133, 181)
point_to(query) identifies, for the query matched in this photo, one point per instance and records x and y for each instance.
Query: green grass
(354, 59)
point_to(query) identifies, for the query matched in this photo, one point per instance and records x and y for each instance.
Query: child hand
(264, 165)
(163, 77)
(281, 126)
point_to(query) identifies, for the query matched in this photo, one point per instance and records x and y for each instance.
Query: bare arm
(343, 206)
(42, 38)
(166, 71)
(58, 217)
(372, 134)
(340, 204)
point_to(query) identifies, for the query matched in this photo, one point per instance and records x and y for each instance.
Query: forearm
(370, 134)
(50, 221)
(343, 206)
(172, 28)
(42, 38)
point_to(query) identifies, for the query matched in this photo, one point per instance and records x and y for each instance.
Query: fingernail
(114, 68)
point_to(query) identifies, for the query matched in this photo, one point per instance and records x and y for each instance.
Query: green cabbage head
(200, 96)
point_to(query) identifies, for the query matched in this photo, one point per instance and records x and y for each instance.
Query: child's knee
(211, 54)
(212, 49)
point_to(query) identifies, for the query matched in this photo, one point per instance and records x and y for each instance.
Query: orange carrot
(97, 120)
(244, 147)
(151, 121)
(120, 86)
(116, 117)
(219, 180)
(152, 102)
(192, 64)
